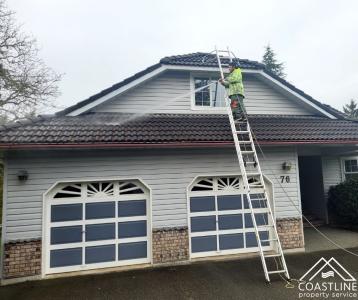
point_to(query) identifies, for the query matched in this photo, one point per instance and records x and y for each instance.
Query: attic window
(208, 97)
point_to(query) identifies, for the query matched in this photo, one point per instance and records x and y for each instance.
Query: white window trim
(192, 95)
(47, 199)
(343, 172)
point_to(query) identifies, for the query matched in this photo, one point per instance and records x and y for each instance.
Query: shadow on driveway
(234, 279)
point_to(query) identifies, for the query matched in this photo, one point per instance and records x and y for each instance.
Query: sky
(95, 44)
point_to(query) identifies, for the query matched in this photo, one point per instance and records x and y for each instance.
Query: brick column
(290, 232)
(170, 245)
(22, 259)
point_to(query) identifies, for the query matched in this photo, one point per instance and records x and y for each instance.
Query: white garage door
(220, 220)
(96, 224)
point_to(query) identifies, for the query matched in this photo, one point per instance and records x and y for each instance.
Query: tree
(271, 63)
(26, 83)
(351, 109)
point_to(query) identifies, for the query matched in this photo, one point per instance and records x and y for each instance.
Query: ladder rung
(250, 162)
(272, 255)
(248, 152)
(245, 142)
(256, 186)
(276, 272)
(253, 174)
(269, 240)
(264, 226)
(242, 132)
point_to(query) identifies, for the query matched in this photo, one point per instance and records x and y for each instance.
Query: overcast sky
(98, 43)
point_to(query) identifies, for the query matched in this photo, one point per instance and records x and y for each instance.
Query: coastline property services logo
(327, 279)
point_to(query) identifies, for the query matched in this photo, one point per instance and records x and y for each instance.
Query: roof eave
(169, 145)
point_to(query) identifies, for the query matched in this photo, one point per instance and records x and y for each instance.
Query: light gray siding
(170, 93)
(286, 194)
(167, 172)
(331, 171)
(263, 99)
(166, 93)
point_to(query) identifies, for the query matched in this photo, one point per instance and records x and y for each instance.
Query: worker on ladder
(235, 87)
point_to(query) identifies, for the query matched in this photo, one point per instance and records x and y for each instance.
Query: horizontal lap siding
(168, 173)
(331, 171)
(166, 93)
(262, 99)
(287, 196)
(170, 93)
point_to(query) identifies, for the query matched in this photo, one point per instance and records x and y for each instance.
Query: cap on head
(234, 64)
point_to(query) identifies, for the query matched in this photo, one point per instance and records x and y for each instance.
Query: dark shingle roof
(202, 59)
(119, 128)
(199, 59)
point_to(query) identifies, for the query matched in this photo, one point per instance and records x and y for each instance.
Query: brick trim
(290, 232)
(170, 245)
(22, 258)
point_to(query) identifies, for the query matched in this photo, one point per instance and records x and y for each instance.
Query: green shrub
(343, 202)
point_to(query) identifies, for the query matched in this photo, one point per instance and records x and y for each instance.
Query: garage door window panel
(229, 202)
(261, 219)
(97, 254)
(132, 250)
(66, 234)
(231, 241)
(100, 210)
(97, 232)
(204, 243)
(132, 208)
(65, 257)
(201, 204)
(230, 222)
(251, 238)
(66, 212)
(132, 229)
(205, 223)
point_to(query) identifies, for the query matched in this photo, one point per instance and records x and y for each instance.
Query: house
(145, 172)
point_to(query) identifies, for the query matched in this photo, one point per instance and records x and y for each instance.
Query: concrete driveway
(316, 242)
(234, 279)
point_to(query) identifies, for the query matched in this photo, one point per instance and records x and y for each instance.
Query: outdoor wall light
(287, 166)
(22, 175)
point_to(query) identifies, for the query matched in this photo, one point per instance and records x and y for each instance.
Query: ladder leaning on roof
(253, 182)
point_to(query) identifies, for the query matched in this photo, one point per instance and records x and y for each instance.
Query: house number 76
(285, 179)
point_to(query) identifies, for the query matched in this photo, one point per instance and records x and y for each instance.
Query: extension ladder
(253, 182)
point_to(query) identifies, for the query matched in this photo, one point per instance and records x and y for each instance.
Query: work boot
(243, 118)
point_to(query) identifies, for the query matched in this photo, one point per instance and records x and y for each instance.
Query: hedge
(343, 202)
